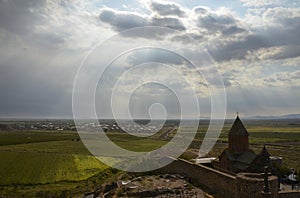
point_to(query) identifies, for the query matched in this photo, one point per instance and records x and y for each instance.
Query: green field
(22, 168)
(42, 163)
(23, 137)
(33, 161)
(138, 144)
(31, 158)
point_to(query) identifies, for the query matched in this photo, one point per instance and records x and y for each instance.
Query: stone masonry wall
(216, 181)
(289, 194)
(249, 185)
(244, 185)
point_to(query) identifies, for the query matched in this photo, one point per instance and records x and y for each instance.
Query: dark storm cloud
(29, 84)
(169, 22)
(165, 9)
(122, 20)
(237, 49)
(281, 31)
(33, 85)
(24, 19)
(20, 16)
(214, 23)
(187, 37)
(30, 31)
(29, 91)
(230, 38)
(232, 30)
(291, 51)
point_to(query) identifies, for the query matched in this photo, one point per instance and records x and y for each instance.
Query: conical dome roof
(238, 128)
(264, 153)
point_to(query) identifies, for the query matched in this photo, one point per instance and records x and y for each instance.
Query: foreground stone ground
(150, 186)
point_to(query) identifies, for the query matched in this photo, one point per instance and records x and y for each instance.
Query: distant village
(241, 171)
(86, 125)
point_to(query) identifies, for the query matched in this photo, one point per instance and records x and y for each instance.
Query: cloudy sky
(254, 44)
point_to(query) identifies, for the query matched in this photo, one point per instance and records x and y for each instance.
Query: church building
(238, 157)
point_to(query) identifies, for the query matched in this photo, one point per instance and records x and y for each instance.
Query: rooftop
(238, 128)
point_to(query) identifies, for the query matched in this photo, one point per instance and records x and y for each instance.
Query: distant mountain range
(290, 116)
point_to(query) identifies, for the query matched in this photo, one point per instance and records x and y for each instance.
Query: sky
(253, 44)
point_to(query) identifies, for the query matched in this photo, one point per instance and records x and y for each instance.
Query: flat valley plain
(56, 163)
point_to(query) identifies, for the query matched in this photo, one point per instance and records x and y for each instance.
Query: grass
(61, 189)
(23, 168)
(47, 162)
(23, 137)
(67, 147)
(138, 144)
(258, 133)
(56, 163)
(32, 162)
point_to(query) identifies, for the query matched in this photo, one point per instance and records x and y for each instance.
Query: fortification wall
(244, 185)
(216, 181)
(289, 194)
(249, 185)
